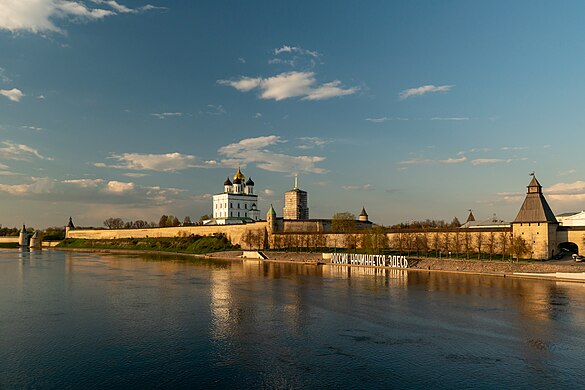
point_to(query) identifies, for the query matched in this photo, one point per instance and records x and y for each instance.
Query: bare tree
(491, 243)
(114, 223)
(467, 243)
(457, 243)
(478, 244)
(503, 244)
(436, 242)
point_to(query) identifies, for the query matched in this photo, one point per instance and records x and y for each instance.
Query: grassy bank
(9, 245)
(191, 244)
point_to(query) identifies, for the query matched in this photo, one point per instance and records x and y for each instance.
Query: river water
(75, 320)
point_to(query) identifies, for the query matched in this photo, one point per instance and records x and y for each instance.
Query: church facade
(237, 203)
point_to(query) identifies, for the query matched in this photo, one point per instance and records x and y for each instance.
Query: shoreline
(517, 270)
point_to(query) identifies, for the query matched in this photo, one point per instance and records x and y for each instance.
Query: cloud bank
(41, 16)
(257, 150)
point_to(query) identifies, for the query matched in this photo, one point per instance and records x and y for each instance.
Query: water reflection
(129, 321)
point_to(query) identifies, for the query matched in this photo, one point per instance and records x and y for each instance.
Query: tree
(187, 221)
(140, 224)
(457, 243)
(455, 222)
(520, 247)
(114, 223)
(503, 244)
(162, 222)
(204, 217)
(491, 243)
(467, 243)
(375, 240)
(478, 244)
(343, 222)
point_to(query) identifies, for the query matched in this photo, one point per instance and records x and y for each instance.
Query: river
(84, 320)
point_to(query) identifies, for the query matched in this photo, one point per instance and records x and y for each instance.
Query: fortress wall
(234, 232)
(574, 235)
(8, 240)
(455, 241)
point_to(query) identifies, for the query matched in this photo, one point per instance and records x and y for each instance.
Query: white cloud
(117, 6)
(296, 49)
(484, 161)
(514, 148)
(289, 85)
(568, 172)
(384, 119)
(13, 94)
(4, 76)
(576, 187)
(164, 115)
(312, 142)
(12, 151)
(134, 174)
(118, 187)
(167, 162)
(84, 183)
(257, 115)
(96, 192)
(39, 16)
(32, 128)
(38, 186)
(215, 109)
(268, 192)
(453, 118)
(419, 91)
(329, 90)
(451, 160)
(256, 150)
(365, 187)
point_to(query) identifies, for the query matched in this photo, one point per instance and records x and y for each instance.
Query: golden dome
(239, 175)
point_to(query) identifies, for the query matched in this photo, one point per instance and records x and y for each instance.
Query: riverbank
(536, 269)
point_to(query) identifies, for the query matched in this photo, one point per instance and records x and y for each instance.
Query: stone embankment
(493, 267)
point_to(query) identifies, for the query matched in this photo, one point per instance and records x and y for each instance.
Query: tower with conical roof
(536, 223)
(70, 226)
(271, 220)
(363, 215)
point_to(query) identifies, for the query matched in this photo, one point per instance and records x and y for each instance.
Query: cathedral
(237, 203)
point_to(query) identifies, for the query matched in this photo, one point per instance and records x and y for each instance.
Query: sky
(412, 109)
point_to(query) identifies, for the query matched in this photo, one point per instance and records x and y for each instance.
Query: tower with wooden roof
(536, 223)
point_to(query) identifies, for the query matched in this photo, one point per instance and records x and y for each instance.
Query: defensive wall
(9, 240)
(456, 240)
(254, 235)
(235, 233)
(485, 240)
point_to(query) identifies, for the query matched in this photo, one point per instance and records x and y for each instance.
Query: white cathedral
(237, 204)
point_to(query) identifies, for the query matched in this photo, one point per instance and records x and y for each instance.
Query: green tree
(343, 222)
(162, 222)
(375, 240)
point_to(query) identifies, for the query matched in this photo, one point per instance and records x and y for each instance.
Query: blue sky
(415, 110)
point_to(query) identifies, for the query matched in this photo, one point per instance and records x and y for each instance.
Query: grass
(191, 244)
